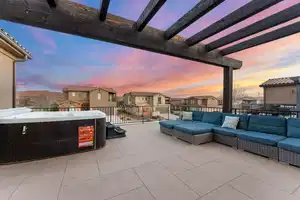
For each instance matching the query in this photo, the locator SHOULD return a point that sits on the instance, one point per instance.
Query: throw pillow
(187, 116)
(231, 122)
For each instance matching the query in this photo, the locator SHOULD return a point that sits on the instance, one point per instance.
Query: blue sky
(60, 59)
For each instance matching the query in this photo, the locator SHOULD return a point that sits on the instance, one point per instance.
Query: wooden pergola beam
(246, 11)
(52, 3)
(103, 9)
(73, 18)
(148, 13)
(199, 10)
(265, 38)
(269, 22)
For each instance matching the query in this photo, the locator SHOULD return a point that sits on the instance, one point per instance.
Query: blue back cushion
(197, 115)
(266, 124)
(212, 117)
(293, 128)
(243, 120)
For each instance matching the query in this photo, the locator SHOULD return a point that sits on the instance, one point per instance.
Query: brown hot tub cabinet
(37, 135)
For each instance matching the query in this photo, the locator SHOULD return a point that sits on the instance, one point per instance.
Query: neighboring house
(144, 99)
(176, 103)
(201, 101)
(89, 97)
(167, 100)
(38, 98)
(251, 103)
(282, 92)
(11, 52)
(154, 103)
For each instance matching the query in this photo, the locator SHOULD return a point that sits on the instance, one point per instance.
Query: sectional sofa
(273, 137)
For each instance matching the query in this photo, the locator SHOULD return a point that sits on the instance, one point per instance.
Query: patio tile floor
(152, 166)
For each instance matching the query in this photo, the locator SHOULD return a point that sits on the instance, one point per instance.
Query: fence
(119, 115)
(278, 112)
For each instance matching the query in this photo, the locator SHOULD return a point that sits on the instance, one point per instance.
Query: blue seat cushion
(290, 144)
(262, 138)
(194, 128)
(171, 123)
(228, 131)
(212, 118)
(197, 115)
(267, 124)
(293, 128)
(243, 120)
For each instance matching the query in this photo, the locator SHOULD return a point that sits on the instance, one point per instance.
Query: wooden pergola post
(227, 89)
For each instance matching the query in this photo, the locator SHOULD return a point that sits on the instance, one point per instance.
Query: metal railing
(120, 115)
(278, 112)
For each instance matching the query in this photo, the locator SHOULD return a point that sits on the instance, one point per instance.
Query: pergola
(77, 19)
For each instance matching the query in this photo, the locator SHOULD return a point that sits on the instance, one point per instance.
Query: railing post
(169, 110)
(298, 98)
(227, 91)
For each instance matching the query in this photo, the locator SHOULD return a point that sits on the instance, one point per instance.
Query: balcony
(149, 165)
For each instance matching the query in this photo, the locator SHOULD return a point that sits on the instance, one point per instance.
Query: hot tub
(36, 135)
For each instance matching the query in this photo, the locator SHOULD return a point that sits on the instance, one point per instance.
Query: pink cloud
(44, 39)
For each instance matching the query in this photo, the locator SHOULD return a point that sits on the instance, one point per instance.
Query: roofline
(79, 90)
(154, 93)
(26, 54)
(278, 85)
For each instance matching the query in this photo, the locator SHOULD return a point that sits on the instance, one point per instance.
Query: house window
(110, 97)
(99, 96)
(146, 98)
(159, 100)
(73, 94)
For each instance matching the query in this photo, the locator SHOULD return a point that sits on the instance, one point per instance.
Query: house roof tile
(12, 41)
(79, 88)
(202, 97)
(145, 93)
(281, 81)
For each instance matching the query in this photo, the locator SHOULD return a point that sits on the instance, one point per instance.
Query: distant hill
(38, 98)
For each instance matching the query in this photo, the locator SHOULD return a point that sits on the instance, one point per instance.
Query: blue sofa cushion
(171, 123)
(194, 128)
(197, 115)
(290, 144)
(212, 118)
(228, 131)
(243, 120)
(293, 128)
(266, 124)
(262, 138)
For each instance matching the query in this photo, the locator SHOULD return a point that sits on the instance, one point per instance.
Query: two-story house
(11, 52)
(86, 97)
(282, 92)
(151, 103)
(201, 101)
(176, 103)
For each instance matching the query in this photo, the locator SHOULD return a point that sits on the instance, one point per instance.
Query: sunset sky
(60, 59)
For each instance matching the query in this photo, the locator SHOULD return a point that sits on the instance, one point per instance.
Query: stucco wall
(280, 95)
(103, 102)
(211, 102)
(127, 99)
(79, 96)
(6, 80)
(155, 99)
(142, 100)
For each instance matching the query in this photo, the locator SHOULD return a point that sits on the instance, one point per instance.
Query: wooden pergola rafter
(77, 19)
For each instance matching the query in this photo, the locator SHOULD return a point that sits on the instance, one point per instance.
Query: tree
(238, 93)
(26, 101)
(54, 107)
